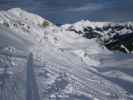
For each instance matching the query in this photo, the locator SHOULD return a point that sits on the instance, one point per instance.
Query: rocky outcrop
(114, 36)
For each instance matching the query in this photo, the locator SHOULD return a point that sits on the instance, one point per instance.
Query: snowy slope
(68, 66)
(21, 26)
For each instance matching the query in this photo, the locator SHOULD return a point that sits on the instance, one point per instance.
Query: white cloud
(89, 7)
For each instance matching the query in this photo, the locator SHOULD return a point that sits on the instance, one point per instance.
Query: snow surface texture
(68, 66)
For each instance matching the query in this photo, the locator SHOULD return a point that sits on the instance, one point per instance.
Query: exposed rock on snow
(115, 36)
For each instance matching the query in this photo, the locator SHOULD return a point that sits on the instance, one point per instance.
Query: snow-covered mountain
(114, 36)
(71, 62)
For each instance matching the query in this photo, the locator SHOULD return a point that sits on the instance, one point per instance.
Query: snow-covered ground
(68, 66)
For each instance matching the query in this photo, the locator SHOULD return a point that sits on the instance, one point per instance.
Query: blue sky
(67, 11)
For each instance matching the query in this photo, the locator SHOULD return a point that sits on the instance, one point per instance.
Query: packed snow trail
(32, 92)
